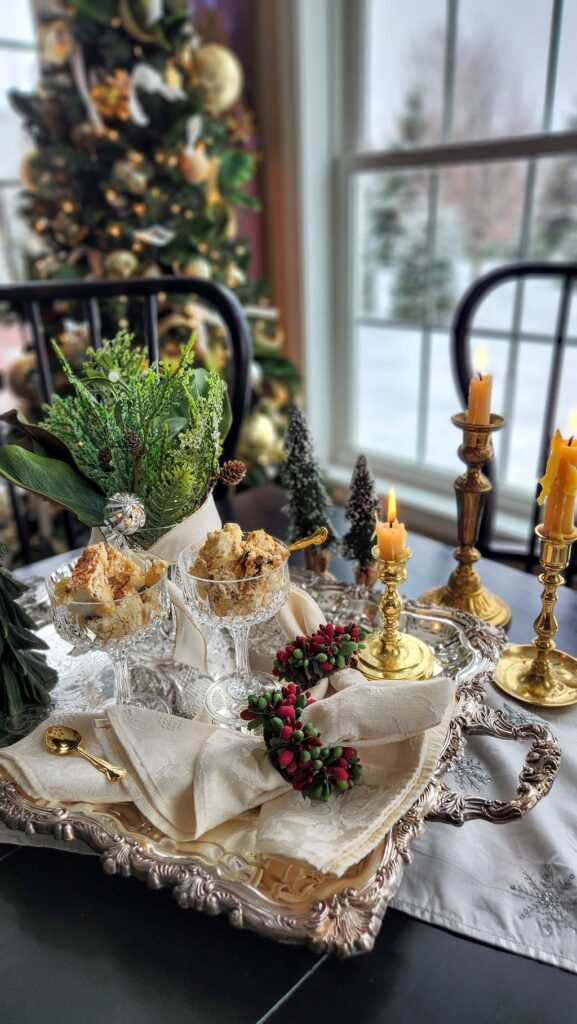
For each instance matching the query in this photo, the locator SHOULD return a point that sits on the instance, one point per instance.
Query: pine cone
(232, 472)
(132, 442)
(105, 460)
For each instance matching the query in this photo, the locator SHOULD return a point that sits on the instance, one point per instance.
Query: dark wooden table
(78, 946)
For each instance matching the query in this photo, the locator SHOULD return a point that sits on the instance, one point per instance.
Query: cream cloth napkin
(190, 777)
(299, 615)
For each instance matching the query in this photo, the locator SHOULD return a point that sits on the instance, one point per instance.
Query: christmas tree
(357, 543)
(25, 678)
(309, 504)
(143, 157)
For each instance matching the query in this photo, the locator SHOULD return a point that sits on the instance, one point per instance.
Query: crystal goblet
(112, 626)
(237, 605)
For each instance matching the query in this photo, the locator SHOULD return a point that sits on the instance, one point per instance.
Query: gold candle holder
(464, 589)
(538, 673)
(388, 653)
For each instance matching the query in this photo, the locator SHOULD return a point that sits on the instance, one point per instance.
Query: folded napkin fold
(189, 777)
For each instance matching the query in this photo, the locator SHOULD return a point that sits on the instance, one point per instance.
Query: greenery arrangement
(144, 151)
(155, 431)
(25, 678)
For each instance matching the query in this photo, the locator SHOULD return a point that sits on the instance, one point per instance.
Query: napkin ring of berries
(295, 748)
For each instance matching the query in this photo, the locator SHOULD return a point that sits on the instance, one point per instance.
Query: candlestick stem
(389, 653)
(464, 589)
(538, 673)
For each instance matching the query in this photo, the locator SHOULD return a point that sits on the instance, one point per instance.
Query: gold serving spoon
(318, 537)
(60, 739)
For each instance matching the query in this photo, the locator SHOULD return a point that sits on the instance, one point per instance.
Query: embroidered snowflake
(517, 716)
(549, 902)
(470, 772)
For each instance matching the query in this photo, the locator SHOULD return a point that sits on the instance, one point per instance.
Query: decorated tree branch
(25, 677)
(308, 504)
(357, 543)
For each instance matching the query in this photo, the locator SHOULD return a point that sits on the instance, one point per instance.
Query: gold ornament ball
(259, 437)
(202, 247)
(188, 214)
(198, 267)
(194, 165)
(159, 157)
(139, 209)
(56, 42)
(175, 208)
(172, 76)
(172, 160)
(40, 225)
(114, 230)
(68, 206)
(135, 158)
(113, 135)
(219, 73)
(120, 263)
(111, 195)
(137, 246)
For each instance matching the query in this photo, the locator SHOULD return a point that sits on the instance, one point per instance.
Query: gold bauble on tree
(219, 74)
(111, 95)
(198, 267)
(120, 263)
(55, 41)
(194, 165)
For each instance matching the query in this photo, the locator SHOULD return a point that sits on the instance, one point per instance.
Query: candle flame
(572, 424)
(480, 359)
(392, 506)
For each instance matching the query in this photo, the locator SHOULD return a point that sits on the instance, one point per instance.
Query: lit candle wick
(571, 440)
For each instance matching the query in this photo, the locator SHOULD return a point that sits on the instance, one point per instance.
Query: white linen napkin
(188, 777)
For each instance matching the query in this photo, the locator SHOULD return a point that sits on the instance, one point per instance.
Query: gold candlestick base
(537, 673)
(464, 589)
(388, 653)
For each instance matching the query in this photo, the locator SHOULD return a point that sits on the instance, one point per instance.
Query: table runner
(513, 886)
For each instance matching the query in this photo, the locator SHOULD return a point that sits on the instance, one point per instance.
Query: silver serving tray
(286, 900)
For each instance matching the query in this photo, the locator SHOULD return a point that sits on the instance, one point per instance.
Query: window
(18, 70)
(465, 158)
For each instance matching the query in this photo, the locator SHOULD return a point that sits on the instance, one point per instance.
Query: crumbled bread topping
(227, 555)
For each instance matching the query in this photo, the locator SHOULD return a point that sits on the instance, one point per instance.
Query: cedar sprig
(310, 658)
(296, 749)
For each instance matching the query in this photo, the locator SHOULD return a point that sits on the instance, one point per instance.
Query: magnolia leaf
(49, 443)
(55, 480)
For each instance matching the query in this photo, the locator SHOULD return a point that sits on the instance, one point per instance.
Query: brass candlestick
(388, 653)
(464, 589)
(538, 673)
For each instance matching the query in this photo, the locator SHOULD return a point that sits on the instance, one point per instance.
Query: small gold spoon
(60, 739)
(318, 537)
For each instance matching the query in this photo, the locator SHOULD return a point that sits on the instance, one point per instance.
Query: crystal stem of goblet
(122, 687)
(241, 686)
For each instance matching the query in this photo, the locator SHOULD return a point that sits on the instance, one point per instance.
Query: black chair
(27, 300)
(566, 274)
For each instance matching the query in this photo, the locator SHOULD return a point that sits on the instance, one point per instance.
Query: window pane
(17, 71)
(391, 244)
(526, 423)
(555, 228)
(478, 228)
(501, 67)
(565, 113)
(566, 414)
(386, 394)
(17, 21)
(404, 102)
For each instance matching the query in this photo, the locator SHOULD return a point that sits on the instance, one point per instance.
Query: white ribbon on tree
(155, 11)
(151, 81)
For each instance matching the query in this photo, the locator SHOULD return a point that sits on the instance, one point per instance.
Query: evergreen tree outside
(357, 543)
(557, 215)
(25, 677)
(308, 504)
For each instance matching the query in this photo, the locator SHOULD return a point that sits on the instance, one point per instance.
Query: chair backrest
(565, 274)
(28, 299)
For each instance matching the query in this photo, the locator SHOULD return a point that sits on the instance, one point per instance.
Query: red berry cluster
(296, 749)
(310, 658)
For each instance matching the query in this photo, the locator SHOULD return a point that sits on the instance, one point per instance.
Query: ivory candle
(559, 488)
(391, 536)
(480, 390)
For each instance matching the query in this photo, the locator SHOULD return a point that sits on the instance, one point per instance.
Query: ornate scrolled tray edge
(348, 922)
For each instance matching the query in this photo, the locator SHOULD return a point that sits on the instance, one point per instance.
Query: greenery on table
(25, 677)
(154, 431)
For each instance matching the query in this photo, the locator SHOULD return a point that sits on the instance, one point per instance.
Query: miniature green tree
(357, 543)
(25, 677)
(308, 504)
